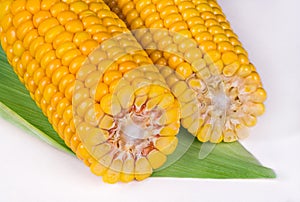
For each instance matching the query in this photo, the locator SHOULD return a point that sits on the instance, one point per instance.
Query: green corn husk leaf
(226, 160)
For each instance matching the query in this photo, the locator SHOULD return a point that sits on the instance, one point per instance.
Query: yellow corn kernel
(90, 20)
(178, 88)
(229, 57)
(205, 133)
(142, 169)
(184, 70)
(70, 55)
(98, 169)
(63, 48)
(18, 48)
(156, 159)
(166, 145)
(46, 4)
(125, 96)
(39, 17)
(5, 5)
(21, 17)
(249, 120)
(33, 6)
(74, 26)
(24, 28)
(47, 25)
(58, 74)
(43, 49)
(17, 6)
(169, 130)
(111, 76)
(259, 95)
(61, 38)
(11, 35)
(58, 7)
(127, 66)
(47, 58)
(127, 173)
(231, 69)
(152, 103)
(80, 37)
(88, 46)
(65, 16)
(78, 7)
(113, 173)
(29, 37)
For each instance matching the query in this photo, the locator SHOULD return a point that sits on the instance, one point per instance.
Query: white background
(30, 170)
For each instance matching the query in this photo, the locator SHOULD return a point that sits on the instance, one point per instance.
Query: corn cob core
(208, 62)
(92, 94)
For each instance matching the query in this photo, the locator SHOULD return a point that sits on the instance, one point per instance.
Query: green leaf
(225, 160)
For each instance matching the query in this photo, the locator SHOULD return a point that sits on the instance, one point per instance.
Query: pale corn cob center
(210, 64)
(87, 93)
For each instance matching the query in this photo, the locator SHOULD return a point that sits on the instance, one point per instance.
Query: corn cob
(104, 97)
(209, 65)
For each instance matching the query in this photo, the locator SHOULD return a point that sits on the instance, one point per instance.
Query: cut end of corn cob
(108, 103)
(219, 90)
(215, 107)
(128, 124)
